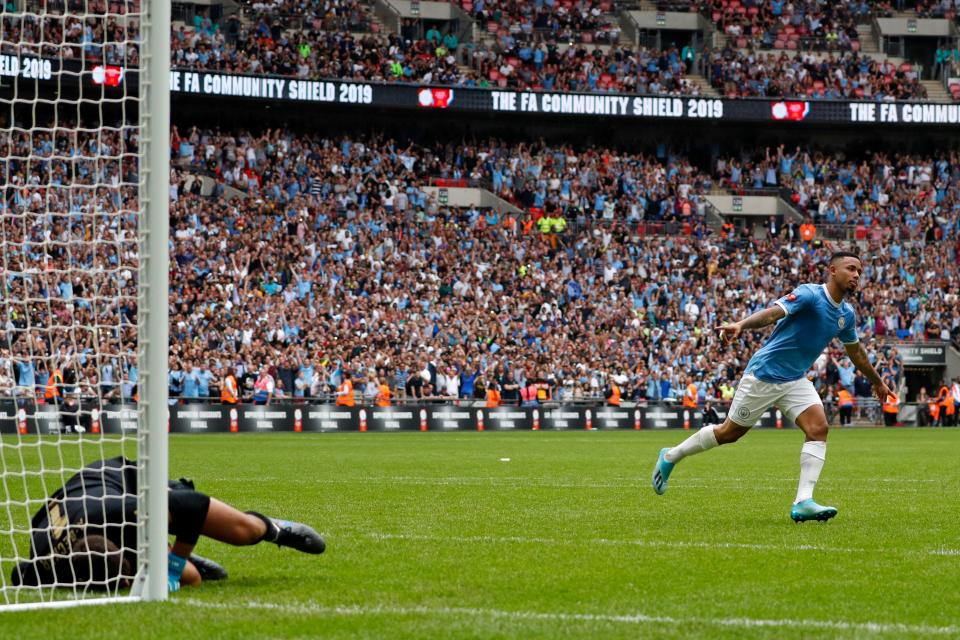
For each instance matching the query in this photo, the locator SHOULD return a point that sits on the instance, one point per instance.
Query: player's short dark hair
(837, 255)
(98, 563)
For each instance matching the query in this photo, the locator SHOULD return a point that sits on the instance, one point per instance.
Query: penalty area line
(660, 544)
(550, 616)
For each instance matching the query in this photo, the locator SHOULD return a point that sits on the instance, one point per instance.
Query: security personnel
(845, 404)
(383, 395)
(228, 390)
(613, 393)
(945, 404)
(690, 395)
(545, 224)
(890, 410)
(345, 392)
(559, 224)
(493, 395)
(51, 394)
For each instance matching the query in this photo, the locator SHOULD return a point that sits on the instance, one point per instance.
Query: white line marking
(658, 544)
(550, 616)
(616, 483)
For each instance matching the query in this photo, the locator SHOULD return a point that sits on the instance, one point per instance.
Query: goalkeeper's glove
(175, 565)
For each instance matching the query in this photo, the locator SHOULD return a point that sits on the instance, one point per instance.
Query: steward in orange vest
(345, 392)
(493, 395)
(383, 395)
(890, 410)
(613, 394)
(52, 391)
(228, 390)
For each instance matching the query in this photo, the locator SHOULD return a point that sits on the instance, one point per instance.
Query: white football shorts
(754, 396)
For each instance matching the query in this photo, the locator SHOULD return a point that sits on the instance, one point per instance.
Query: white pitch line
(550, 616)
(658, 544)
(620, 483)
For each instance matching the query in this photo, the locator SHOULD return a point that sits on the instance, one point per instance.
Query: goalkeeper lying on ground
(86, 533)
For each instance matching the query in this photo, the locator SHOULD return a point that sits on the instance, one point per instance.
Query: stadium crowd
(892, 197)
(806, 24)
(848, 75)
(104, 35)
(584, 21)
(337, 260)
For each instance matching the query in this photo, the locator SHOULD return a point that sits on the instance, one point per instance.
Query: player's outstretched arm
(757, 320)
(858, 356)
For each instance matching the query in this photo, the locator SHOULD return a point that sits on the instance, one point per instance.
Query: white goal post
(84, 205)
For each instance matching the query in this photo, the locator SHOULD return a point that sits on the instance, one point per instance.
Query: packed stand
(316, 52)
(68, 227)
(327, 15)
(807, 24)
(108, 34)
(336, 260)
(849, 75)
(551, 21)
(547, 67)
(459, 293)
(895, 199)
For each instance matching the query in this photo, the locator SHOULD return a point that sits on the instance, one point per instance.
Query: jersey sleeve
(795, 300)
(848, 335)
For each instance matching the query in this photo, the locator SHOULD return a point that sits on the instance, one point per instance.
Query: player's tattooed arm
(757, 320)
(859, 358)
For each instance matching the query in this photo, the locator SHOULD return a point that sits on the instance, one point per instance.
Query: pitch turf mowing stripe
(665, 544)
(550, 616)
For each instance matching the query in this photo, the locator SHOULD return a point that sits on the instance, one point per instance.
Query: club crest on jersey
(791, 297)
(841, 322)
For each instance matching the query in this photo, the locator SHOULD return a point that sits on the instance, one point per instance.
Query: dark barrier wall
(244, 418)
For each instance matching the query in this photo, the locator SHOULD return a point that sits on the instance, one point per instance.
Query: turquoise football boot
(661, 472)
(810, 510)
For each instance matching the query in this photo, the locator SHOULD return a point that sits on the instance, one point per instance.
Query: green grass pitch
(436, 535)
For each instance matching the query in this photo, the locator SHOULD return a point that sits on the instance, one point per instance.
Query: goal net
(84, 168)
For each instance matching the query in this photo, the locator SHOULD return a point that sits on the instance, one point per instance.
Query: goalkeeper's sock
(175, 566)
(702, 440)
(812, 456)
(273, 531)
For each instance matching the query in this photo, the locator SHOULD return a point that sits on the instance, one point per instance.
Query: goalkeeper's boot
(208, 569)
(298, 536)
(285, 533)
(810, 510)
(661, 472)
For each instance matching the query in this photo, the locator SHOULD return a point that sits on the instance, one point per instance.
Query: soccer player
(808, 319)
(87, 531)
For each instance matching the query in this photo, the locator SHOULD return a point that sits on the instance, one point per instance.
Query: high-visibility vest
(808, 232)
(845, 399)
(383, 396)
(493, 398)
(690, 397)
(945, 399)
(345, 394)
(543, 392)
(52, 389)
(890, 404)
(228, 391)
(528, 392)
(614, 399)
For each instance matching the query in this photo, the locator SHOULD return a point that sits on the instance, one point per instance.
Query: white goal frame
(150, 583)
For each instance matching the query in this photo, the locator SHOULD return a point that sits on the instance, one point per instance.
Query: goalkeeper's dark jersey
(101, 499)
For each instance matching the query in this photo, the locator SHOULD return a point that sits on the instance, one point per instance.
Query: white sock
(812, 456)
(702, 440)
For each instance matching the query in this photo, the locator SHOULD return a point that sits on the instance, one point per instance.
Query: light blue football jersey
(813, 320)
